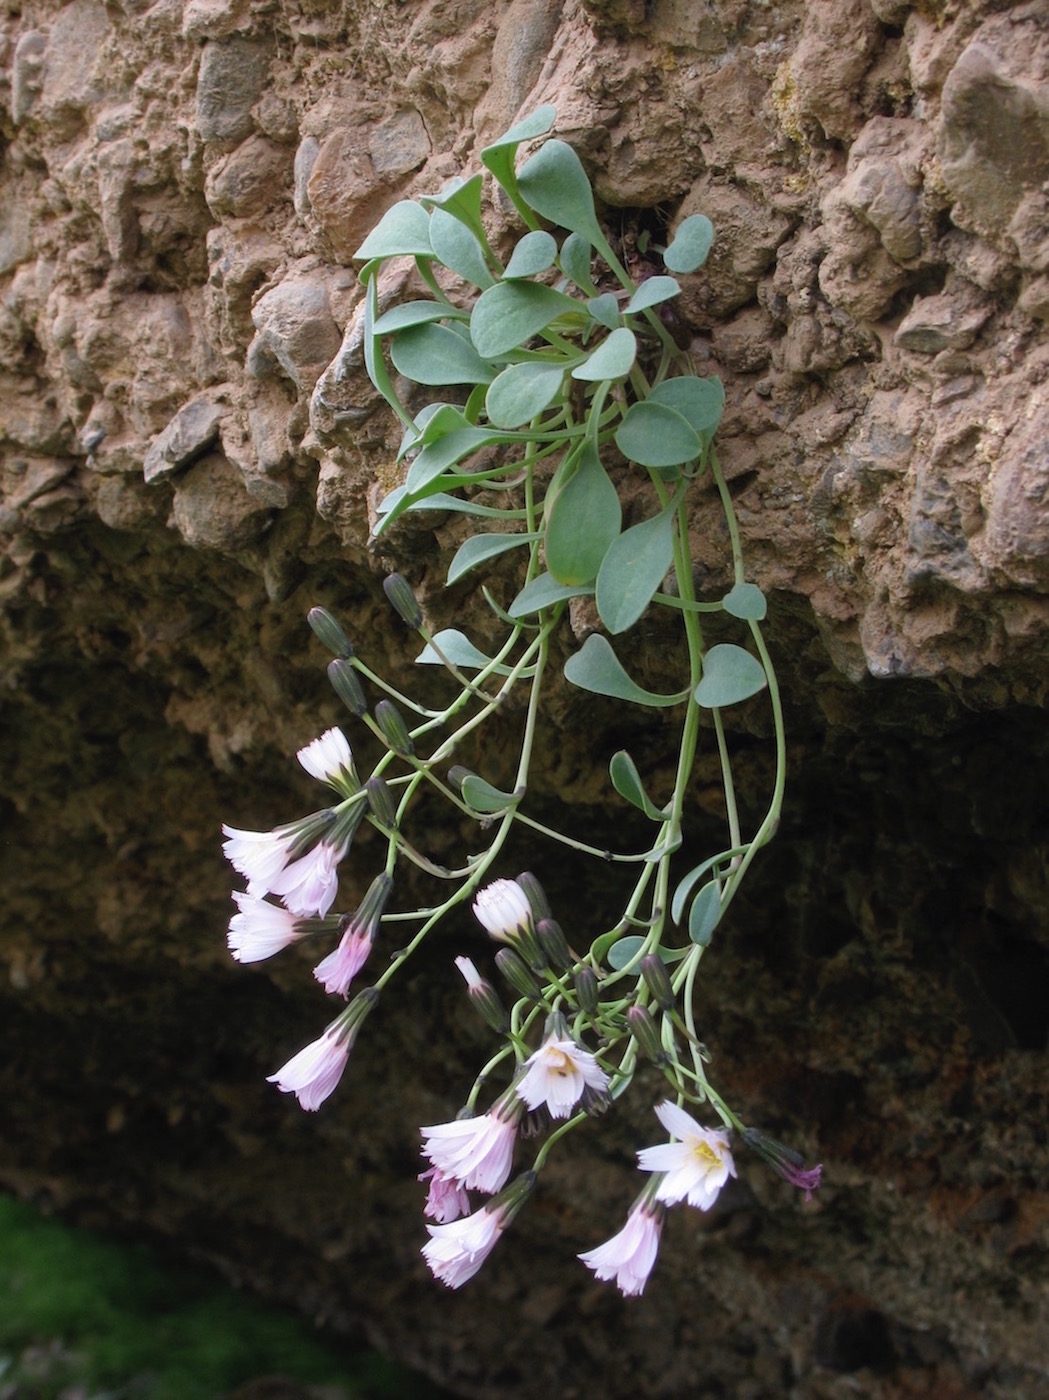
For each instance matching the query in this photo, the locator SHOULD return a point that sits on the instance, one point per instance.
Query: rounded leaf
(480, 548)
(582, 522)
(433, 354)
(632, 570)
(612, 359)
(404, 229)
(690, 245)
(543, 592)
(654, 435)
(652, 292)
(521, 392)
(534, 253)
(511, 313)
(730, 675)
(458, 248)
(576, 253)
(700, 401)
(605, 310)
(624, 950)
(704, 915)
(555, 184)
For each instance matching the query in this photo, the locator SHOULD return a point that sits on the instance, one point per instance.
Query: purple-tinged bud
(553, 943)
(393, 728)
(484, 997)
(646, 1033)
(403, 601)
(517, 974)
(784, 1161)
(657, 979)
(536, 896)
(347, 687)
(380, 800)
(585, 982)
(330, 633)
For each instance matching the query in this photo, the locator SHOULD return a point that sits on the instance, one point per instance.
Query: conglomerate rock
(190, 454)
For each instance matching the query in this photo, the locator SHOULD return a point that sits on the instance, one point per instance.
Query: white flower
(446, 1200)
(328, 759)
(259, 856)
(470, 974)
(260, 929)
(629, 1256)
(313, 1073)
(557, 1074)
(309, 885)
(696, 1167)
(457, 1250)
(503, 908)
(475, 1152)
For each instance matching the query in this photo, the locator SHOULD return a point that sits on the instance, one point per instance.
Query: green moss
(75, 1307)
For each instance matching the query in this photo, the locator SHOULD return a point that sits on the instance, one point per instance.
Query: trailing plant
(564, 375)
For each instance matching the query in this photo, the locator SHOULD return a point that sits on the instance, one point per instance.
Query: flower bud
(553, 943)
(536, 896)
(657, 979)
(330, 633)
(517, 974)
(399, 591)
(586, 990)
(784, 1161)
(347, 687)
(393, 728)
(484, 997)
(457, 773)
(380, 800)
(646, 1033)
(351, 1020)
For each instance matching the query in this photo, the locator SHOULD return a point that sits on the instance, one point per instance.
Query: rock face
(190, 449)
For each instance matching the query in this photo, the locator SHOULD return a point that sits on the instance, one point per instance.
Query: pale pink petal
(456, 1251)
(446, 1199)
(476, 1152)
(629, 1257)
(314, 1072)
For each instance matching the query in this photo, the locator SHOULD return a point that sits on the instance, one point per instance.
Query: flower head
(503, 908)
(338, 969)
(314, 1072)
(446, 1200)
(696, 1167)
(629, 1256)
(259, 856)
(329, 760)
(457, 1250)
(261, 929)
(475, 1152)
(309, 885)
(557, 1074)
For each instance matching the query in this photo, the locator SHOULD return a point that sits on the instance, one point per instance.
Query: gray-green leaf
(657, 436)
(510, 313)
(627, 782)
(404, 229)
(582, 522)
(595, 667)
(612, 359)
(745, 601)
(543, 592)
(633, 569)
(690, 245)
(704, 915)
(730, 675)
(521, 392)
(434, 354)
(479, 548)
(534, 253)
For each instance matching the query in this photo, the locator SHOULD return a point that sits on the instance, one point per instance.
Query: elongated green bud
(553, 942)
(585, 982)
(516, 973)
(646, 1033)
(403, 601)
(536, 896)
(484, 997)
(657, 979)
(393, 728)
(347, 687)
(330, 633)
(380, 800)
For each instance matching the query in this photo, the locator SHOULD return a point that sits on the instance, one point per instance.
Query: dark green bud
(646, 1033)
(657, 979)
(393, 728)
(585, 982)
(536, 896)
(380, 800)
(347, 687)
(553, 942)
(516, 973)
(399, 591)
(330, 633)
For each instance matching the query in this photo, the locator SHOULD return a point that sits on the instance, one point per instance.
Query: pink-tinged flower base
(457, 1250)
(309, 885)
(446, 1199)
(339, 968)
(630, 1256)
(314, 1072)
(696, 1167)
(475, 1152)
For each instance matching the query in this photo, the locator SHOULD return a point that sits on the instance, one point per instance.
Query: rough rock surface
(189, 452)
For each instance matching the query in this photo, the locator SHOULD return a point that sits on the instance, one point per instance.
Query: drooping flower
(315, 1071)
(446, 1200)
(785, 1162)
(261, 929)
(338, 969)
(629, 1257)
(329, 760)
(696, 1167)
(457, 1250)
(476, 1152)
(557, 1074)
(309, 885)
(259, 856)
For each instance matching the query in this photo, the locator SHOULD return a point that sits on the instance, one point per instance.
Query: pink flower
(259, 856)
(329, 760)
(475, 1152)
(696, 1167)
(629, 1257)
(457, 1250)
(556, 1075)
(309, 885)
(338, 969)
(260, 929)
(446, 1199)
(314, 1073)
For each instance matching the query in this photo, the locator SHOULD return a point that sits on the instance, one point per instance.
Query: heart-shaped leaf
(595, 667)
(521, 392)
(700, 401)
(730, 675)
(582, 522)
(690, 245)
(612, 359)
(634, 566)
(656, 436)
(746, 601)
(456, 647)
(511, 313)
(404, 229)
